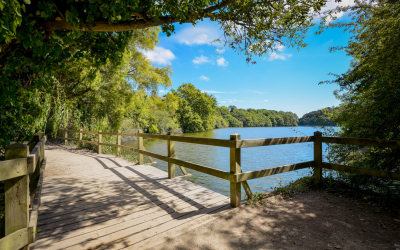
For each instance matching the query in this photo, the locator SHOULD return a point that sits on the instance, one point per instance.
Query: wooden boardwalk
(92, 201)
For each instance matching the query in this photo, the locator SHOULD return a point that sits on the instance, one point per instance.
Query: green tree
(202, 104)
(40, 41)
(189, 120)
(320, 117)
(370, 89)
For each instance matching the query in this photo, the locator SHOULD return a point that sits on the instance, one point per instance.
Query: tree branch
(142, 23)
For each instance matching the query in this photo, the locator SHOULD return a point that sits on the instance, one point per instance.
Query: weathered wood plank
(130, 216)
(33, 217)
(136, 223)
(16, 193)
(137, 199)
(99, 142)
(88, 132)
(272, 171)
(98, 191)
(89, 142)
(32, 161)
(13, 168)
(108, 144)
(171, 154)
(188, 226)
(66, 136)
(362, 141)
(273, 141)
(203, 141)
(188, 139)
(162, 227)
(15, 240)
(140, 147)
(119, 142)
(361, 171)
(194, 166)
(155, 195)
(125, 212)
(153, 226)
(317, 168)
(235, 158)
(247, 189)
(108, 133)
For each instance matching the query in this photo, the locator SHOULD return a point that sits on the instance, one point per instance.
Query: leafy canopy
(370, 89)
(56, 57)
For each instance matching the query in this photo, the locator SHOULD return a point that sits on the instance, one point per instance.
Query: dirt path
(313, 220)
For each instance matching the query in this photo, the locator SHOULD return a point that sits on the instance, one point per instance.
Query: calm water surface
(252, 158)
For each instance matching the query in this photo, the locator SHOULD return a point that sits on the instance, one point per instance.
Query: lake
(252, 158)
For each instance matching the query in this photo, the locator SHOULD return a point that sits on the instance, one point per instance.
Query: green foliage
(55, 71)
(370, 89)
(197, 110)
(298, 186)
(256, 198)
(320, 117)
(253, 27)
(227, 118)
(257, 117)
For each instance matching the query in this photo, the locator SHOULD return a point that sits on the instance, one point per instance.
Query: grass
(301, 185)
(389, 201)
(255, 198)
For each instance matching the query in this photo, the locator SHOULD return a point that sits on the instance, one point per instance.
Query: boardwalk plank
(92, 217)
(101, 201)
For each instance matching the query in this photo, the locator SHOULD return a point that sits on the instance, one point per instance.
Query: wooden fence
(22, 174)
(235, 176)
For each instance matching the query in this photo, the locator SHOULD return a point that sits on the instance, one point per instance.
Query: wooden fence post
(16, 193)
(118, 142)
(99, 137)
(140, 147)
(65, 136)
(171, 153)
(235, 187)
(80, 137)
(317, 173)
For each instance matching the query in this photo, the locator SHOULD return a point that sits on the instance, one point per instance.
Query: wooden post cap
(16, 150)
(235, 137)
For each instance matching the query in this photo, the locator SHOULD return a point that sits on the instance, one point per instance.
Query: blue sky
(286, 80)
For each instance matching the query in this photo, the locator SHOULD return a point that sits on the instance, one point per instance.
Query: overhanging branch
(102, 26)
(142, 23)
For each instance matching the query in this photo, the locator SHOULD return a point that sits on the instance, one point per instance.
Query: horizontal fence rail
(361, 142)
(235, 176)
(273, 141)
(19, 173)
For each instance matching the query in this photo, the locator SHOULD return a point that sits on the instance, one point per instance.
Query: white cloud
(200, 34)
(200, 59)
(218, 92)
(265, 100)
(204, 78)
(220, 50)
(229, 101)
(159, 55)
(222, 62)
(212, 92)
(275, 56)
(332, 4)
(255, 92)
(278, 54)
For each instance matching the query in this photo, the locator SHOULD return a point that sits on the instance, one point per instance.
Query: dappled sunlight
(104, 201)
(314, 220)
